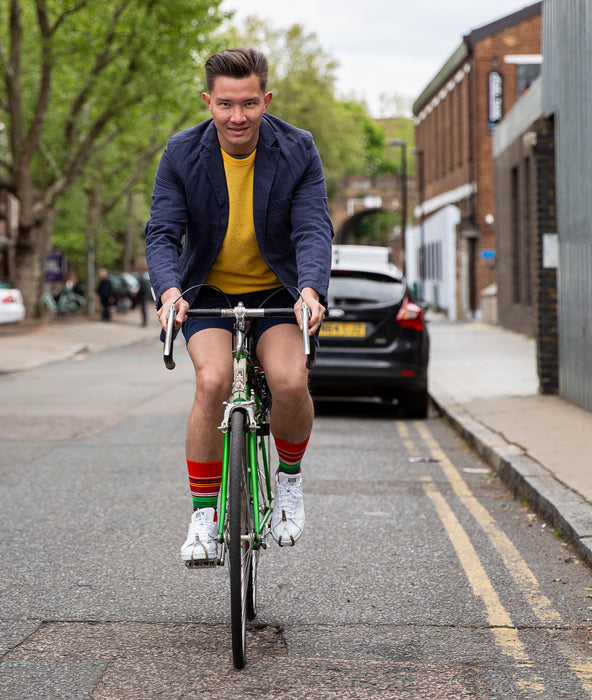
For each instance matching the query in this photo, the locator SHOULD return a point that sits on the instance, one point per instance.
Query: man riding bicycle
(240, 203)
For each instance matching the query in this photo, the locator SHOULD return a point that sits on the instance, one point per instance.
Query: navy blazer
(189, 212)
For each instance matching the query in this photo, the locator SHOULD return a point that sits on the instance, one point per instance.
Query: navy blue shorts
(210, 299)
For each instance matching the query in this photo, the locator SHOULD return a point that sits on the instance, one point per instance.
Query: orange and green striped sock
(204, 483)
(290, 455)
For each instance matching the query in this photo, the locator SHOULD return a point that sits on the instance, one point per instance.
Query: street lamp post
(418, 152)
(403, 177)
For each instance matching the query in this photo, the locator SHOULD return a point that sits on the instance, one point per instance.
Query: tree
(90, 88)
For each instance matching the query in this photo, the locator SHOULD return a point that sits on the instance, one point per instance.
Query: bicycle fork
(240, 401)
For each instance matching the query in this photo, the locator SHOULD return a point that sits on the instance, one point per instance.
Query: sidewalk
(32, 345)
(483, 378)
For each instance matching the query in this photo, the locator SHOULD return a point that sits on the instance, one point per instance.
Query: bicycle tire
(264, 507)
(241, 531)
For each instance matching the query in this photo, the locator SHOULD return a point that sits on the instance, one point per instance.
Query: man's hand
(168, 298)
(317, 310)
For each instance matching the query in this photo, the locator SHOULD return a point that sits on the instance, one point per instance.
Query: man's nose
(237, 114)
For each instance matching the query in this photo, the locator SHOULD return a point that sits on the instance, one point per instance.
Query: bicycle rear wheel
(241, 535)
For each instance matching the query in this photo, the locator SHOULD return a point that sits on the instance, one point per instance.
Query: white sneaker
(287, 520)
(201, 545)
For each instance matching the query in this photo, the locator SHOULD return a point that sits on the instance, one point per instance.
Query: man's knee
(213, 384)
(289, 386)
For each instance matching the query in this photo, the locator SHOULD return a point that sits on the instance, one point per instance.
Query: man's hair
(237, 63)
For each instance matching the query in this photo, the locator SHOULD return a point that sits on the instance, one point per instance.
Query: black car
(374, 341)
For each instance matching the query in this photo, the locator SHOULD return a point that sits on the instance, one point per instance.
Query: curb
(70, 354)
(76, 350)
(528, 480)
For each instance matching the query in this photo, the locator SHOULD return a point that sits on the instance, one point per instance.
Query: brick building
(455, 117)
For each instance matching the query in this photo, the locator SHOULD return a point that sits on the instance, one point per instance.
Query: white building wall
(437, 285)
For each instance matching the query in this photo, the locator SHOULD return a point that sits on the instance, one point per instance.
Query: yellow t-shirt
(239, 267)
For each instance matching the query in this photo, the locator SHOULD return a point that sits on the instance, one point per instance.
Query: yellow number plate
(343, 329)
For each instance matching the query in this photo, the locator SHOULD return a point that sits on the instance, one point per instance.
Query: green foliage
(403, 129)
(373, 139)
(93, 90)
(375, 229)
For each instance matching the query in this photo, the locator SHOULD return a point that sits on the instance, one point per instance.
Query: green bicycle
(245, 502)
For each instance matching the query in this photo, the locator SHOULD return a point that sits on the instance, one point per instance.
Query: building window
(526, 74)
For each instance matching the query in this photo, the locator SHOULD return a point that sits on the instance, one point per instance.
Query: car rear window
(362, 287)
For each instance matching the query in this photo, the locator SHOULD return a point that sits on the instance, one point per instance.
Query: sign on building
(496, 98)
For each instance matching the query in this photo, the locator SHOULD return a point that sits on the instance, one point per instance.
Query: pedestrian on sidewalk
(105, 292)
(141, 298)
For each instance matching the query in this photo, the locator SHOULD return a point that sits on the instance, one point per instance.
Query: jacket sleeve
(166, 228)
(312, 229)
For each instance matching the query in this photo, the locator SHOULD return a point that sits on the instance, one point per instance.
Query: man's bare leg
(210, 351)
(280, 350)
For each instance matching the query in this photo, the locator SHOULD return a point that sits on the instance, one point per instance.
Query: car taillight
(410, 315)
(8, 299)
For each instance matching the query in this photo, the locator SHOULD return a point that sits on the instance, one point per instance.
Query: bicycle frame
(244, 398)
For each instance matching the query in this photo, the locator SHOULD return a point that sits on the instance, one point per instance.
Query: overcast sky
(382, 46)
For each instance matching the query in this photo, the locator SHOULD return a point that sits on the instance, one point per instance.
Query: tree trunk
(30, 265)
(93, 222)
(128, 251)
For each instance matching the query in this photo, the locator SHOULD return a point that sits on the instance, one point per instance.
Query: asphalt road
(418, 577)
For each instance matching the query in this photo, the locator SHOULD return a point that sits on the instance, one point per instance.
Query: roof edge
(453, 63)
(505, 22)
(465, 48)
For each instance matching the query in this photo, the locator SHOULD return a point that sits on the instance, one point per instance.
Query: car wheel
(415, 404)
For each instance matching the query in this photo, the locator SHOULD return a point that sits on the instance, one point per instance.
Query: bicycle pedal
(202, 563)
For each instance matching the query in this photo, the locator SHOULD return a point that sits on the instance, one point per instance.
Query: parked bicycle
(66, 301)
(245, 502)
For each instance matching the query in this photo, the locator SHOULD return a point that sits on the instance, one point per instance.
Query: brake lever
(169, 338)
(305, 314)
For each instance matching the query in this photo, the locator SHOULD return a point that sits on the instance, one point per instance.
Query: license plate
(343, 329)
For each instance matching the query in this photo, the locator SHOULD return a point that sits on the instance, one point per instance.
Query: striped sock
(290, 455)
(204, 483)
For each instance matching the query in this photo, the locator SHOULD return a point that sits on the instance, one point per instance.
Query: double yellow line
(504, 631)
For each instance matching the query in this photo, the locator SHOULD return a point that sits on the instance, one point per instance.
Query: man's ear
(267, 99)
(206, 98)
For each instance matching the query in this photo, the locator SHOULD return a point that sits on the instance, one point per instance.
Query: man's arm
(165, 230)
(312, 228)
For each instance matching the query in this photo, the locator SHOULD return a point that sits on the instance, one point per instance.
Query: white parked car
(12, 308)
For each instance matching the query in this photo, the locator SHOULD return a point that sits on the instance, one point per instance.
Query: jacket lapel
(266, 163)
(214, 165)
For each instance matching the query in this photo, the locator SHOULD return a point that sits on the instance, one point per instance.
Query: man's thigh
(281, 353)
(210, 350)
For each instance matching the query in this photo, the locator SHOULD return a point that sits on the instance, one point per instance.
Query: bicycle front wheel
(241, 532)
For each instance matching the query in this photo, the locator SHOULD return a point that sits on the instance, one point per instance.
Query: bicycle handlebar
(238, 312)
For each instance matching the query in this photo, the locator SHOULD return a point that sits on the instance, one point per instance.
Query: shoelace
(288, 497)
(202, 528)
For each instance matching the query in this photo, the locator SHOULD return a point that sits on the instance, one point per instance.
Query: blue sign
(53, 268)
(488, 254)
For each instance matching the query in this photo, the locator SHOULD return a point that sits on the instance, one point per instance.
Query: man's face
(237, 106)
